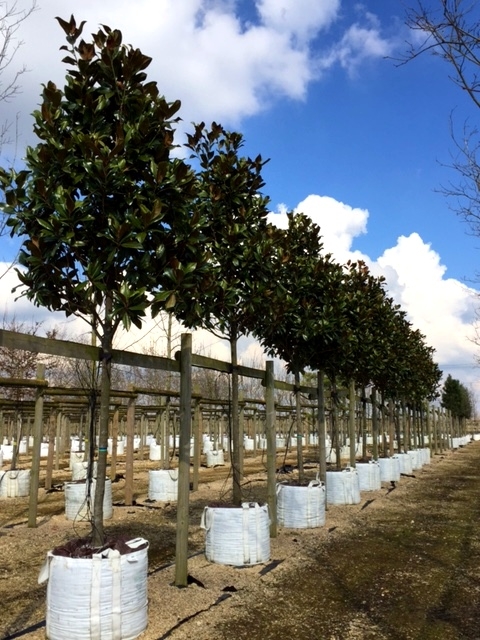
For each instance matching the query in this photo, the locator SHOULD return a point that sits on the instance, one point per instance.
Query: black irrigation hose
(24, 632)
(219, 600)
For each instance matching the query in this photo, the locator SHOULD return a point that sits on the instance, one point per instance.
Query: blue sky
(354, 140)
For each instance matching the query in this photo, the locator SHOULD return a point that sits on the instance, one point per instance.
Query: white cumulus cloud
(339, 223)
(442, 308)
(221, 65)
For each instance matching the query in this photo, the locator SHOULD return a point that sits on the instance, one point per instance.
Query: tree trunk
(298, 424)
(322, 431)
(106, 364)
(352, 432)
(374, 424)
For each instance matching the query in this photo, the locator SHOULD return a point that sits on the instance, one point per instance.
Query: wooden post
(181, 549)
(241, 430)
(129, 453)
(50, 453)
(271, 447)
(113, 460)
(57, 439)
(197, 443)
(143, 437)
(299, 425)
(37, 440)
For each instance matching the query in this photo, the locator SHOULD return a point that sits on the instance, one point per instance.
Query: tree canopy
(456, 398)
(104, 210)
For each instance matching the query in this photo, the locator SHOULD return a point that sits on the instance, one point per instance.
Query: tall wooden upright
(181, 551)
(37, 440)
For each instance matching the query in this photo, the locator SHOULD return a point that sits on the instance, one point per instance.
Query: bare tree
(17, 363)
(11, 17)
(450, 29)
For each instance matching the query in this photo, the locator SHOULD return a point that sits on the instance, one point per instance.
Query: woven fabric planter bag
(427, 456)
(76, 456)
(215, 458)
(155, 452)
(163, 485)
(237, 536)
(343, 487)
(369, 475)
(76, 504)
(102, 597)
(80, 470)
(405, 462)
(301, 507)
(389, 469)
(7, 451)
(14, 484)
(416, 458)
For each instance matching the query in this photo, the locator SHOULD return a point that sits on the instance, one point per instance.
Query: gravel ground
(403, 564)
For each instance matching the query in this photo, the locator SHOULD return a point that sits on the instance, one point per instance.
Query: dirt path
(408, 567)
(402, 565)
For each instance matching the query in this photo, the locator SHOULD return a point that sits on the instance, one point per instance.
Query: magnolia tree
(301, 319)
(104, 211)
(230, 200)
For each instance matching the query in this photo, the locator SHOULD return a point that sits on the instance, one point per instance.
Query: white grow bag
(207, 445)
(76, 456)
(331, 455)
(405, 462)
(248, 444)
(262, 443)
(215, 458)
(163, 485)
(301, 507)
(14, 484)
(389, 469)
(98, 598)
(343, 487)
(416, 458)
(76, 505)
(80, 470)
(237, 536)
(7, 451)
(369, 475)
(426, 455)
(155, 452)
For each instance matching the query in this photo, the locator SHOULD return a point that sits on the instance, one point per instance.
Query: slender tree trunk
(37, 440)
(105, 384)
(374, 424)
(351, 422)
(322, 431)
(16, 440)
(299, 425)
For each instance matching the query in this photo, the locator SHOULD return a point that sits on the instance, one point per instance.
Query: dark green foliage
(301, 320)
(105, 211)
(102, 205)
(229, 199)
(456, 398)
